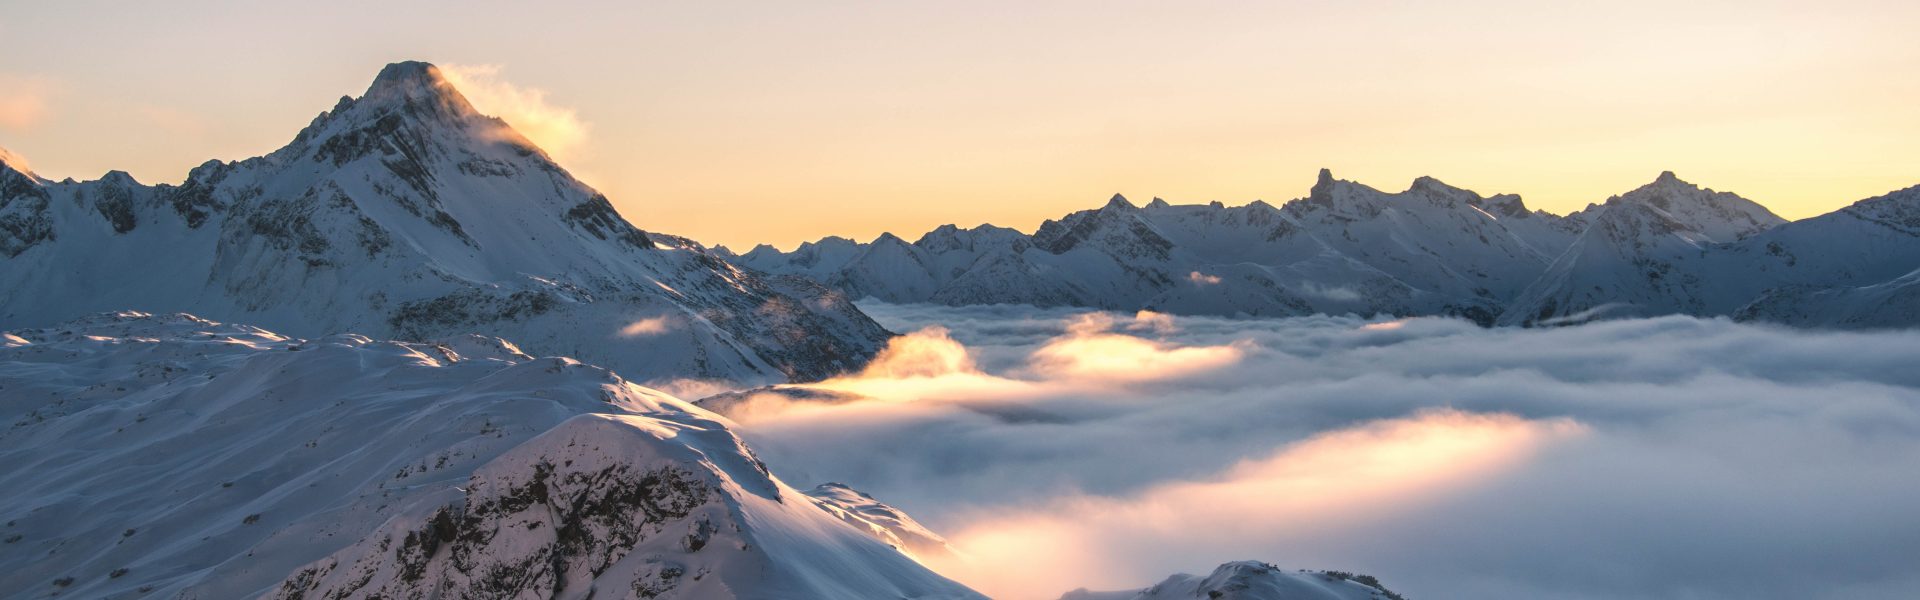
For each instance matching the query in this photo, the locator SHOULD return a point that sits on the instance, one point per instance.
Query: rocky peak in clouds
(950, 238)
(405, 213)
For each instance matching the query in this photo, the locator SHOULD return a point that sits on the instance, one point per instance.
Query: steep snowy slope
(1249, 580)
(168, 456)
(1645, 253)
(1433, 236)
(1849, 268)
(404, 213)
(1890, 304)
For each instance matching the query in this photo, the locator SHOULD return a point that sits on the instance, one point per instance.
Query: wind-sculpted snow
(883, 522)
(1672, 457)
(404, 213)
(170, 456)
(1669, 247)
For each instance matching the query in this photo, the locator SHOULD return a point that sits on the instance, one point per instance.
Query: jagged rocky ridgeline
(1667, 247)
(406, 214)
(170, 456)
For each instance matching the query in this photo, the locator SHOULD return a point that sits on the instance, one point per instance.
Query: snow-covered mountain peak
(1899, 209)
(948, 238)
(1343, 196)
(119, 178)
(405, 214)
(1506, 205)
(415, 82)
(1440, 193)
(1686, 207)
(412, 110)
(889, 239)
(1427, 183)
(1116, 227)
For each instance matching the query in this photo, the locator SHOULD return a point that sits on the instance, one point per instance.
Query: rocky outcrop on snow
(171, 456)
(406, 214)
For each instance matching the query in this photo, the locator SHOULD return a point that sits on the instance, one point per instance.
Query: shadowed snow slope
(169, 456)
(406, 214)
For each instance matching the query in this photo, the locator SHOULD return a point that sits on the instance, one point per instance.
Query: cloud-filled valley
(1666, 457)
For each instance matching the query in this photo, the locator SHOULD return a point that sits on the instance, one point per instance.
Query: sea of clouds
(1656, 458)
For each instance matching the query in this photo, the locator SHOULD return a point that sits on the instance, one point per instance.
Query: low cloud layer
(1661, 458)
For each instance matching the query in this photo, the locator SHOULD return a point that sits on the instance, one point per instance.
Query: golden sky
(738, 123)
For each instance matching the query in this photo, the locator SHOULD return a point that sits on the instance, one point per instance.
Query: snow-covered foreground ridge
(1669, 247)
(406, 214)
(170, 456)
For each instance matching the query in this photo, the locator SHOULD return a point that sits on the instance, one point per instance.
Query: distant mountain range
(1669, 247)
(406, 214)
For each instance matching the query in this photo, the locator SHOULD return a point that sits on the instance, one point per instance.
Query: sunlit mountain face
(836, 302)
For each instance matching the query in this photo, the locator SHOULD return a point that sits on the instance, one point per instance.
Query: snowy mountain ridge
(1434, 249)
(405, 213)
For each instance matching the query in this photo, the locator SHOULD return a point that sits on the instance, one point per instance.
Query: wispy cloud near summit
(556, 129)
